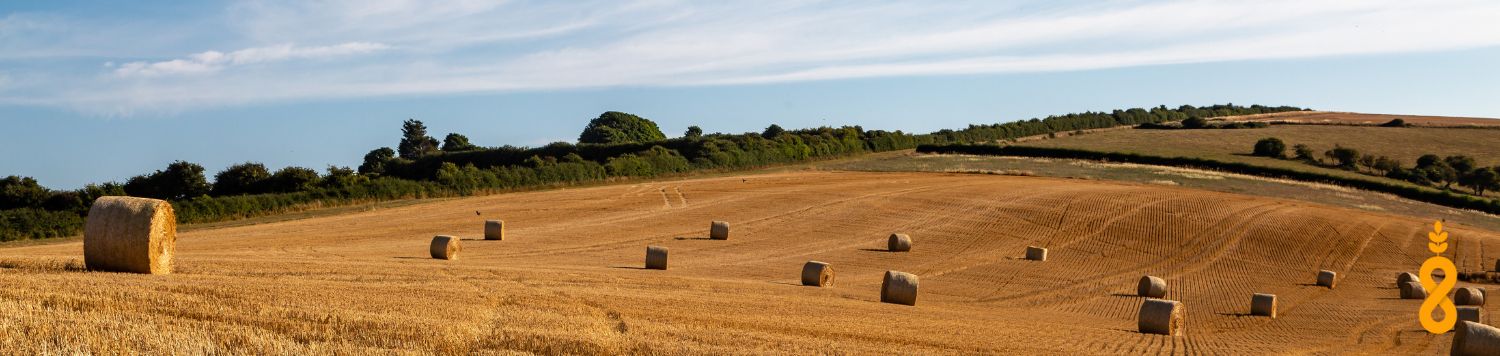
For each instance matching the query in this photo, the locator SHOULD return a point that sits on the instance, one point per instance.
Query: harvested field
(1405, 144)
(569, 279)
(1349, 118)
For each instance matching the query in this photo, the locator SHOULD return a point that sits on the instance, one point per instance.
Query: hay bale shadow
(876, 250)
(628, 267)
(680, 238)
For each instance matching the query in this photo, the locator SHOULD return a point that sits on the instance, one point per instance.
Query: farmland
(568, 279)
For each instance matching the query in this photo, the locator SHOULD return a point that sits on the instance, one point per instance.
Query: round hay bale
(899, 243)
(1497, 265)
(1404, 277)
(1413, 290)
(1160, 316)
(899, 288)
(1326, 278)
(656, 257)
(1151, 287)
(1471, 313)
(1468, 296)
(128, 234)
(494, 229)
(444, 247)
(817, 274)
(718, 230)
(1263, 304)
(1036, 253)
(1475, 339)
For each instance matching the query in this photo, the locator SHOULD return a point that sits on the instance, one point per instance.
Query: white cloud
(477, 46)
(213, 61)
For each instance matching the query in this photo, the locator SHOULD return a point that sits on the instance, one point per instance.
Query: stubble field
(568, 279)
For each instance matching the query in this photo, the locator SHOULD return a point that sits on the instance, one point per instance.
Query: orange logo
(1438, 298)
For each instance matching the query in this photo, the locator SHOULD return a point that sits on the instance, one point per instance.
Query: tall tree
(693, 132)
(456, 142)
(243, 178)
(181, 180)
(618, 127)
(375, 161)
(414, 140)
(772, 131)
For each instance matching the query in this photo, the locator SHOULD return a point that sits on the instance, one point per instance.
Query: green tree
(376, 160)
(293, 179)
(243, 178)
(456, 142)
(693, 132)
(181, 180)
(1484, 179)
(1427, 160)
(618, 127)
(1343, 157)
(1463, 165)
(414, 140)
(1439, 172)
(1304, 153)
(1270, 147)
(22, 192)
(773, 131)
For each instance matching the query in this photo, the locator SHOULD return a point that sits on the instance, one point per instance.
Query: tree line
(1429, 170)
(613, 145)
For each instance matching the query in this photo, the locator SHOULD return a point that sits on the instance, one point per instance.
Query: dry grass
(1405, 144)
(569, 281)
(1347, 118)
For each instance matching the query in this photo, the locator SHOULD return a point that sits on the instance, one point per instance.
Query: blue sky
(101, 91)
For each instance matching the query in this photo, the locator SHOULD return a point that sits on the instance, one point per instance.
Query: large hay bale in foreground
(1475, 339)
(1263, 304)
(1326, 278)
(1160, 316)
(899, 243)
(1406, 277)
(1036, 253)
(817, 274)
(718, 230)
(1468, 296)
(656, 257)
(1413, 290)
(899, 288)
(1471, 313)
(128, 234)
(444, 247)
(494, 229)
(1151, 287)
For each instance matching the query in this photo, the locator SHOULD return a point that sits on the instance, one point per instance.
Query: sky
(96, 91)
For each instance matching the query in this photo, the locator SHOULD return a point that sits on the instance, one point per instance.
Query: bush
(1304, 153)
(1194, 123)
(19, 224)
(1394, 123)
(1270, 147)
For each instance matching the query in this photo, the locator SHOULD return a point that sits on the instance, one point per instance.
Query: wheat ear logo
(1438, 242)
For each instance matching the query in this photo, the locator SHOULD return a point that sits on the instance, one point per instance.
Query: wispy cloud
(213, 61)
(474, 46)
